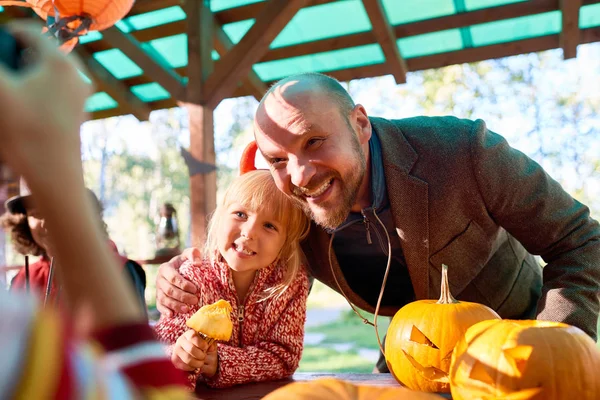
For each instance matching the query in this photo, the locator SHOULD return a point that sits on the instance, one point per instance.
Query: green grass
(326, 359)
(349, 328)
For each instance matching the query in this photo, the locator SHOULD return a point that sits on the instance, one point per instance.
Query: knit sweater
(41, 358)
(268, 335)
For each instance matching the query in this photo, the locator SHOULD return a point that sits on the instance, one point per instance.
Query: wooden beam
(200, 45)
(106, 82)
(590, 35)
(118, 111)
(203, 187)
(569, 36)
(154, 67)
(223, 44)
(382, 30)
(239, 60)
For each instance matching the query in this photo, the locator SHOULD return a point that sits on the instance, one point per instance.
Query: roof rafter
(569, 36)
(253, 84)
(380, 25)
(154, 67)
(239, 60)
(524, 46)
(129, 103)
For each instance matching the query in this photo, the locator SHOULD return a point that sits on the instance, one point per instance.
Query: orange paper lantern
(69, 19)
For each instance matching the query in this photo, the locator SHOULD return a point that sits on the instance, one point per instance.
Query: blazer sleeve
(523, 199)
(276, 356)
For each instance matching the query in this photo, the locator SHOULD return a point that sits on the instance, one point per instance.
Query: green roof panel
(150, 92)
(516, 28)
(155, 18)
(430, 43)
(118, 64)
(90, 37)
(471, 5)
(417, 10)
(237, 30)
(172, 48)
(218, 5)
(589, 16)
(321, 62)
(100, 101)
(349, 17)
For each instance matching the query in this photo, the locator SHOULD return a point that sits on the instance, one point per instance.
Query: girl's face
(249, 240)
(37, 226)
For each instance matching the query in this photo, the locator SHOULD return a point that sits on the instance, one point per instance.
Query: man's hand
(189, 351)
(174, 293)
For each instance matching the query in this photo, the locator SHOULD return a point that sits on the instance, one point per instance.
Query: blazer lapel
(408, 196)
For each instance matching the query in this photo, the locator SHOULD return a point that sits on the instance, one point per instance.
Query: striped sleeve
(47, 362)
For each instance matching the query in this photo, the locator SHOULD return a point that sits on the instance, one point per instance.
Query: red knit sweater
(267, 344)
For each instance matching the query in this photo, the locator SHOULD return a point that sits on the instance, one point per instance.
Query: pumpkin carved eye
(518, 357)
(419, 337)
(480, 372)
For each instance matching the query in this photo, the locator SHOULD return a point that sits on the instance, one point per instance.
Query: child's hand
(42, 107)
(211, 362)
(189, 352)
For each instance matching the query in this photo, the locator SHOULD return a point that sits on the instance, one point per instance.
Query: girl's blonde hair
(256, 191)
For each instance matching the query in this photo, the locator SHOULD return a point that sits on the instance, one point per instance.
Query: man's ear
(361, 122)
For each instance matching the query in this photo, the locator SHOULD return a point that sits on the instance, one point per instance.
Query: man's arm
(535, 209)
(174, 293)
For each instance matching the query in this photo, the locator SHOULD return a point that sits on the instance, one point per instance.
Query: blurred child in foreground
(42, 356)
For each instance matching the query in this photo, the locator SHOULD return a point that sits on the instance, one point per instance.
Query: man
(433, 191)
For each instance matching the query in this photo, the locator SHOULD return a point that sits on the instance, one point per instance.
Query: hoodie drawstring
(385, 277)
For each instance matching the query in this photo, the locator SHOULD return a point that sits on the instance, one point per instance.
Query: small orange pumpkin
(248, 156)
(69, 19)
(525, 360)
(423, 334)
(331, 388)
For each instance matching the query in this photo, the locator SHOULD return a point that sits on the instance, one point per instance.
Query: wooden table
(254, 391)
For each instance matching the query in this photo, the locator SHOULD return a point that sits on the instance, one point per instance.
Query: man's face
(314, 153)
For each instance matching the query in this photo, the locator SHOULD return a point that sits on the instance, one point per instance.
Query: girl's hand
(211, 362)
(189, 352)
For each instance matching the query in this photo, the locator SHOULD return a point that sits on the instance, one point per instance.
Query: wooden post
(203, 187)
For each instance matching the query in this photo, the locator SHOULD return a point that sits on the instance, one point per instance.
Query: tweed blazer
(461, 196)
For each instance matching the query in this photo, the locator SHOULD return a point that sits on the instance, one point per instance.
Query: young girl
(253, 260)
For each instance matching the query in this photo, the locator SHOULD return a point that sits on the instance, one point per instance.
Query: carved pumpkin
(525, 360)
(213, 321)
(423, 334)
(330, 389)
(248, 156)
(69, 19)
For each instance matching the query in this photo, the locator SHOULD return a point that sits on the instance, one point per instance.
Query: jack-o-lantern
(68, 19)
(525, 360)
(330, 389)
(423, 334)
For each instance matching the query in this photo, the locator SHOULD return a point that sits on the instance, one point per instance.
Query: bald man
(410, 195)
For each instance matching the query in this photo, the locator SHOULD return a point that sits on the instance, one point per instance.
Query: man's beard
(334, 215)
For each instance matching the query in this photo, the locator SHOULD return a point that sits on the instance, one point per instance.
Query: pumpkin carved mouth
(429, 373)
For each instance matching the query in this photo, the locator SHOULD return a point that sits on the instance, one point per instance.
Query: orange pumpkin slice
(213, 321)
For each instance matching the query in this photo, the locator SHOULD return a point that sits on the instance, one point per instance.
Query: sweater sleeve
(277, 355)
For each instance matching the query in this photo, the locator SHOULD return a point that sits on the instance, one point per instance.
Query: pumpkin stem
(445, 295)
